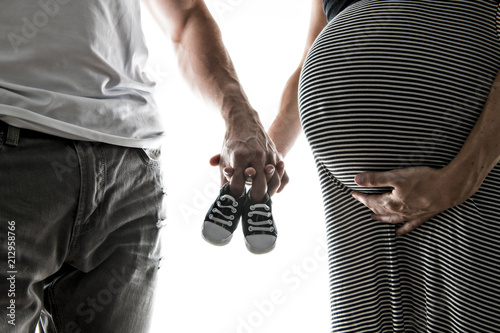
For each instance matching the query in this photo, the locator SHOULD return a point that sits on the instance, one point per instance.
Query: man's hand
(419, 193)
(249, 156)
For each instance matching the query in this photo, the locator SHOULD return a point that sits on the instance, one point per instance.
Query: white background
(203, 288)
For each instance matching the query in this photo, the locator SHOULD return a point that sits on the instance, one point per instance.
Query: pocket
(150, 157)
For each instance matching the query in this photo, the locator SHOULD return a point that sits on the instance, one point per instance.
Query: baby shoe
(223, 217)
(258, 226)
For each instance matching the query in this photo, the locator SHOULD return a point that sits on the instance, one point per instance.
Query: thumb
(215, 160)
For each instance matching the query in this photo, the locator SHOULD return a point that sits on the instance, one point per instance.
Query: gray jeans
(79, 234)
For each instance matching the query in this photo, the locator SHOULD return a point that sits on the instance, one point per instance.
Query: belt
(9, 135)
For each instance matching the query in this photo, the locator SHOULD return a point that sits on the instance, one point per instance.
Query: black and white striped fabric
(393, 84)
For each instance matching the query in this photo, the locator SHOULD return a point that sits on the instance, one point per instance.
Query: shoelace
(232, 206)
(256, 225)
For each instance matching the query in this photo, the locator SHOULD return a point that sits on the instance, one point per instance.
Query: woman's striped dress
(393, 84)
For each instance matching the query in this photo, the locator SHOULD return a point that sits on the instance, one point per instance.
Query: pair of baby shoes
(224, 215)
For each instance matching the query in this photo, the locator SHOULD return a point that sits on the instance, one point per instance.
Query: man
(81, 197)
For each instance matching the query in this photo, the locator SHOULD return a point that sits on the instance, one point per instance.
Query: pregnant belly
(390, 84)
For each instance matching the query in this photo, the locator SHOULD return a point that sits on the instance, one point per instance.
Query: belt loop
(12, 138)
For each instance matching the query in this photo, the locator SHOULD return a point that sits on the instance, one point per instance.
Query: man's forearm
(207, 65)
(202, 57)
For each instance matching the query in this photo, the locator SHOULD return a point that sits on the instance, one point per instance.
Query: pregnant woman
(400, 103)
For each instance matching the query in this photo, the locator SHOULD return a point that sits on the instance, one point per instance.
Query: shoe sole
(221, 242)
(259, 251)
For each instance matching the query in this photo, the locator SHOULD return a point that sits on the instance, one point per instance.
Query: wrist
(233, 100)
(462, 179)
(282, 139)
(242, 118)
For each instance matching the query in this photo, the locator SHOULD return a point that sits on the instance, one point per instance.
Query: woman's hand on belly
(419, 193)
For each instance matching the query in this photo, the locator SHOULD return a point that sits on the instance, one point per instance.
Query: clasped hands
(249, 156)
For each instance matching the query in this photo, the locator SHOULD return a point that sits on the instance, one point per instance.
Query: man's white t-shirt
(75, 69)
